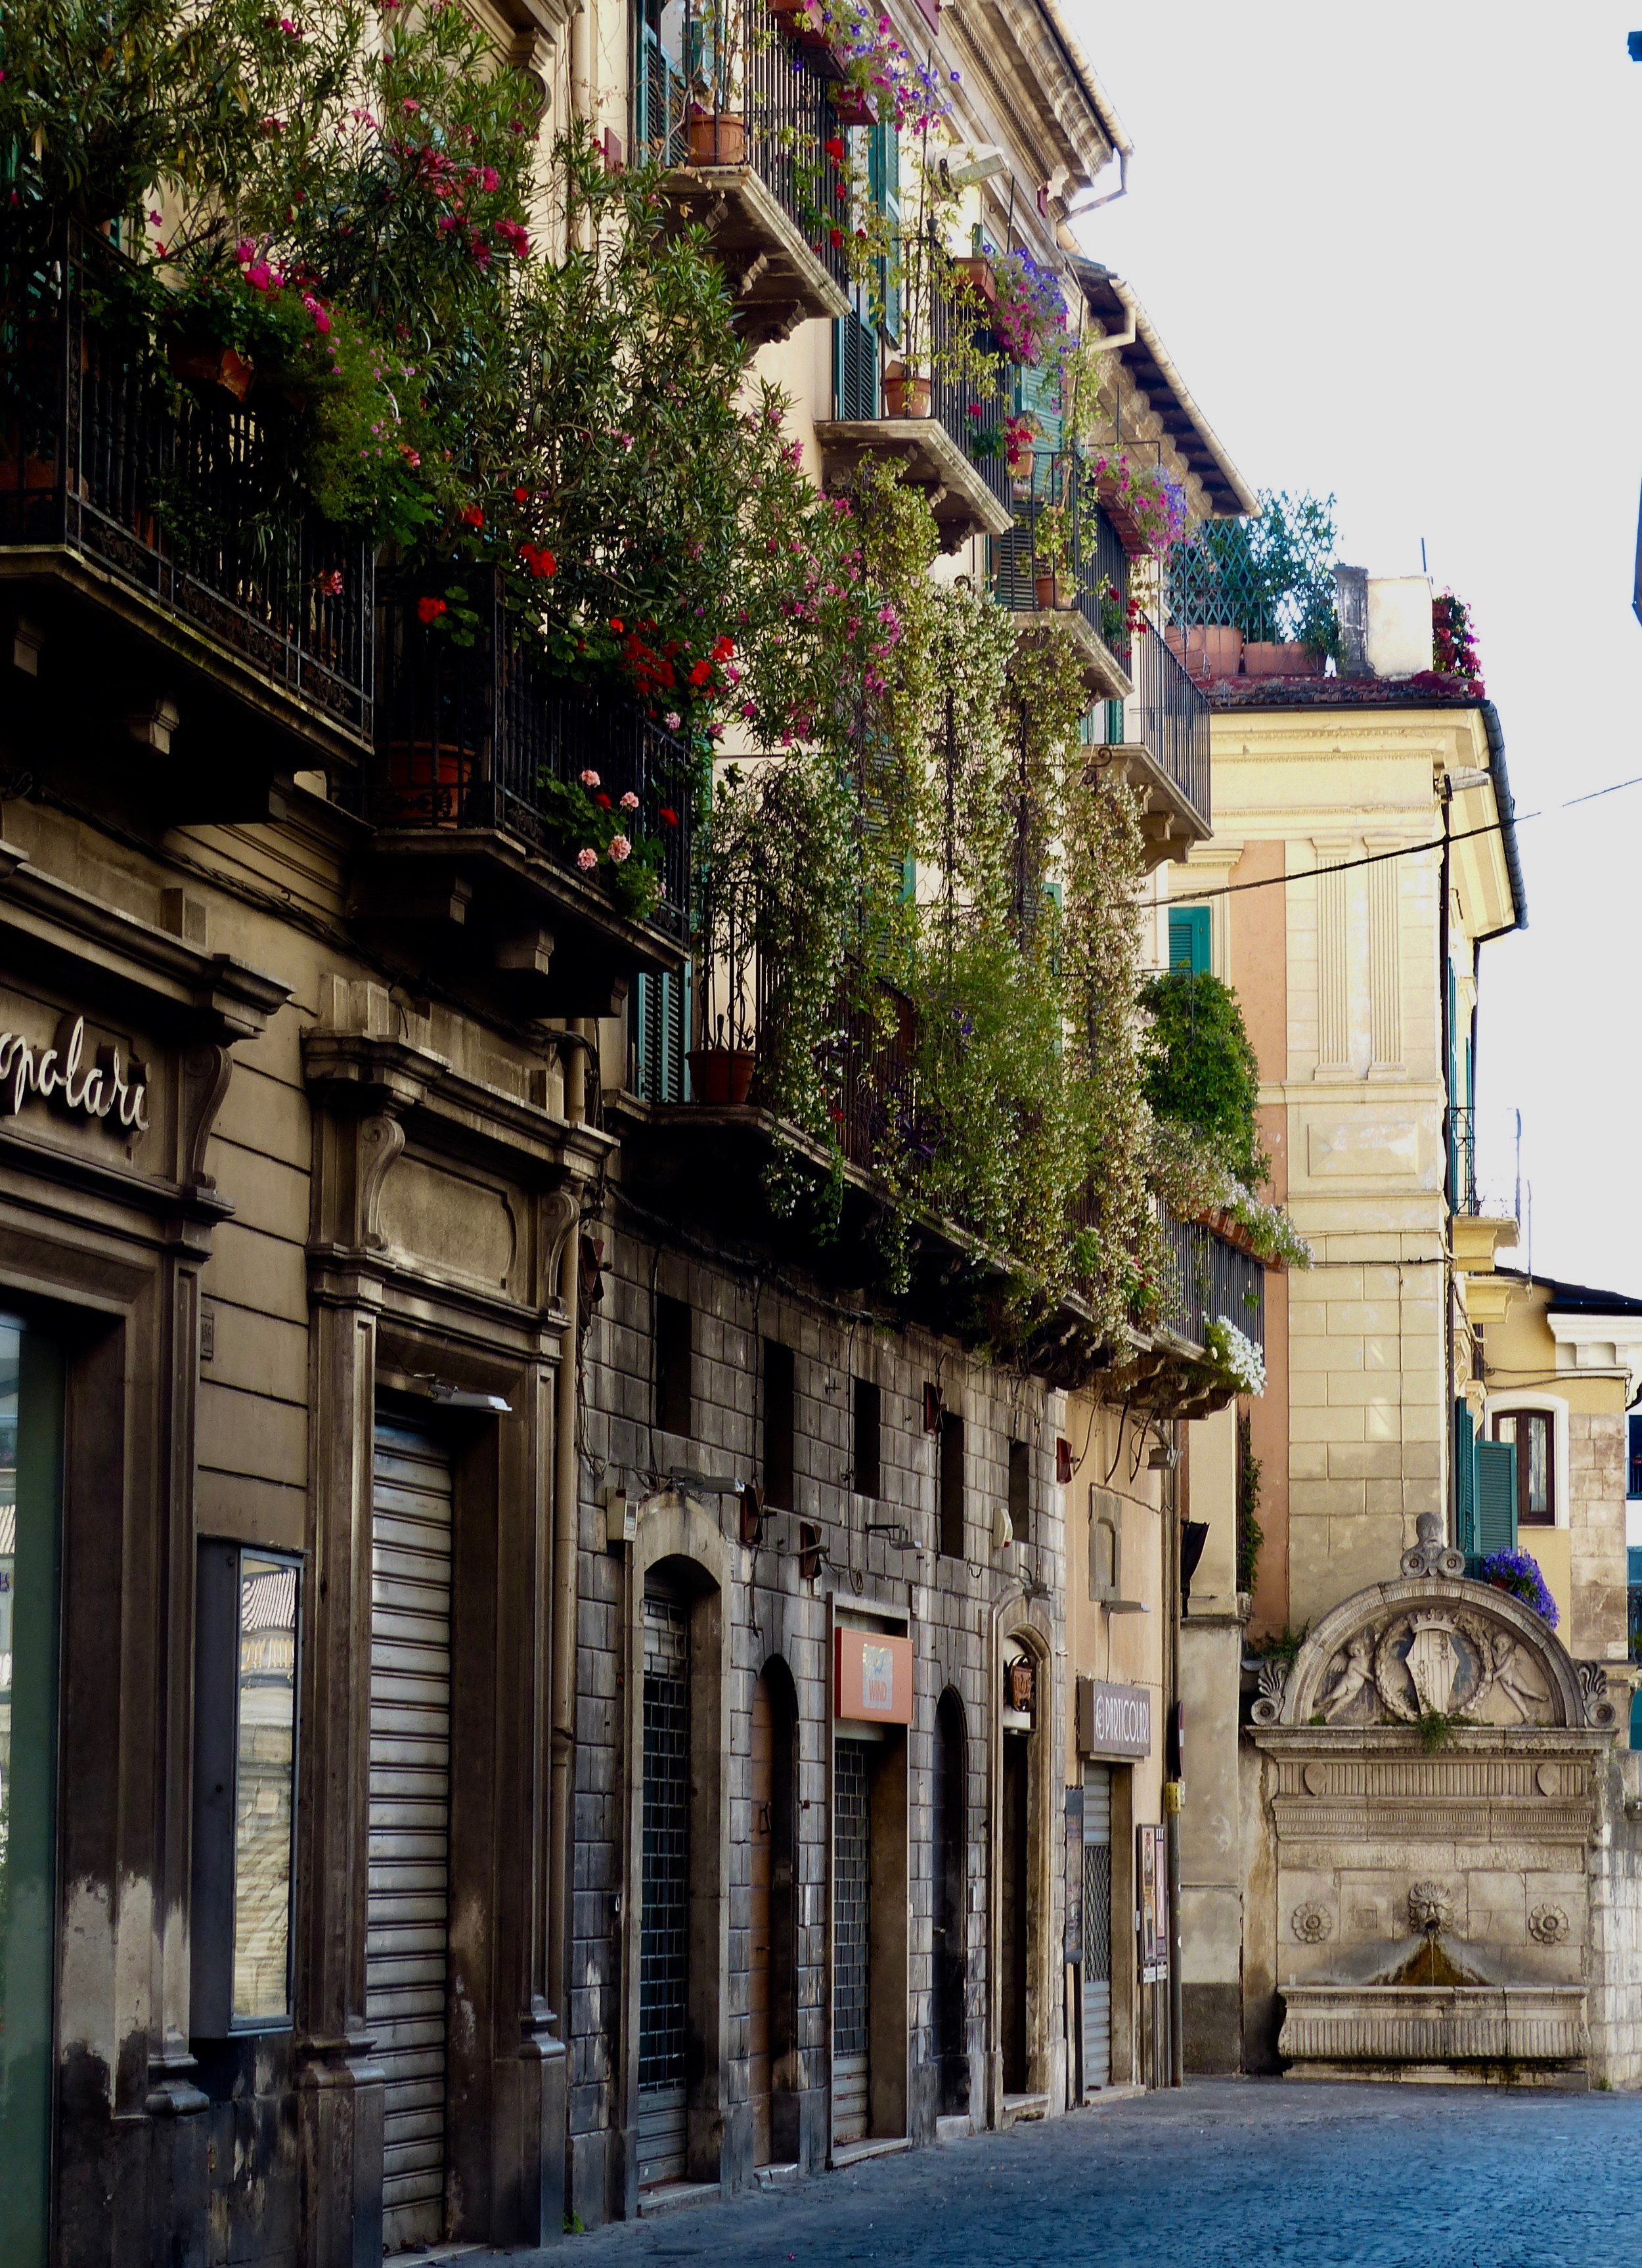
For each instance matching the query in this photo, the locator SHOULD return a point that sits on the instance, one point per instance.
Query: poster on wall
(1154, 1922)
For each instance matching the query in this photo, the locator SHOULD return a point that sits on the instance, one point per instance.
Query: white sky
(1392, 251)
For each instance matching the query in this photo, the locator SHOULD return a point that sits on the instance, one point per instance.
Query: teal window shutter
(1496, 1497)
(1464, 1479)
(883, 168)
(1189, 940)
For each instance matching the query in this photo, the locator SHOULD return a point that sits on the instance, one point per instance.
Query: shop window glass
(31, 1411)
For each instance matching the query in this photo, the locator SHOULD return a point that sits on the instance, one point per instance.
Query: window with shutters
(1465, 1478)
(661, 1018)
(883, 174)
(660, 84)
(1189, 940)
(1533, 1434)
(1496, 1497)
(1633, 1462)
(855, 367)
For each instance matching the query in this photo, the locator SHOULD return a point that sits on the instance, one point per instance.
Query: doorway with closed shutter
(772, 1947)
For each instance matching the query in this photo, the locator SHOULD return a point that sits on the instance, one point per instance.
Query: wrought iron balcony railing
(471, 737)
(174, 494)
(973, 413)
(1214, 1281)
(1061, 532)
(1168, 714)
(778, 89)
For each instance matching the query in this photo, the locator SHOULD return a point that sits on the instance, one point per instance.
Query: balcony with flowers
(735, 102)
(915, 1061)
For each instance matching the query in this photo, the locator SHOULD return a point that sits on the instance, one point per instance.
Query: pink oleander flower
(672, 720)
(620, 848)
(589, 778)
(587, 860)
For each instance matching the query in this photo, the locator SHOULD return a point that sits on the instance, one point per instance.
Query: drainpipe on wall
(1444, 796)
(565, 1509)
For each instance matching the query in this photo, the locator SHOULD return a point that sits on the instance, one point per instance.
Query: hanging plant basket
(977, 273)
(855, 105)
(801, 21)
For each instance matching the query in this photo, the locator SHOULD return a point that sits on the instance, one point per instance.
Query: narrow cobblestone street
(1230, 2174)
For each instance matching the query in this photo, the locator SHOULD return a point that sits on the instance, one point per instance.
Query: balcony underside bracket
(963, 504)
(775, 279)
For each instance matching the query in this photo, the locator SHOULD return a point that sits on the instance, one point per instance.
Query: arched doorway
(772, 1979)
(1020, 1851)
(949, 2044)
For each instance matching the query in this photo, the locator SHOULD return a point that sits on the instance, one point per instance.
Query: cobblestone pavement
(1227, 2174)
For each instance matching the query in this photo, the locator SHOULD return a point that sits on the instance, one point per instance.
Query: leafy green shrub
(1201, 1069)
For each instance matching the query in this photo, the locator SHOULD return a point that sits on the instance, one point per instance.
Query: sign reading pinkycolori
(1114, 1720)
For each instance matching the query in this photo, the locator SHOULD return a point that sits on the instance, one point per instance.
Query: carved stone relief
(1430, 1907)
(1550, 1924)
(1312, 1923)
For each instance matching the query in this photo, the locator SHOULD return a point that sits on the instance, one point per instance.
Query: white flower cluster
(1235, 1353)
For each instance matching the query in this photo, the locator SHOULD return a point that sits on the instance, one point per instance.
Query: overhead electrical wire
(1406, 851)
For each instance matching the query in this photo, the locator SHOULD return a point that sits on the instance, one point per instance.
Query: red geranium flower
(616, 624)
(603, 802)
(701, 673)
(429, 610)
(835, 150)
(472, 516)
(667, 815)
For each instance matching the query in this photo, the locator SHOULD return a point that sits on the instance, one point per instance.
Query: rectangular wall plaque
(1114, 1720)
(873, 1682)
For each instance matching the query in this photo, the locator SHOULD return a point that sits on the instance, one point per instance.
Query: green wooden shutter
(662, 1019)
(1464, 1479)
(855, 368)
(1189, 940)
(883, 168)
(1496, 1497)
(1039, 391)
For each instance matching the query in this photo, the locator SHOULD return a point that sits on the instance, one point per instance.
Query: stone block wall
(773, 1611)
(1596, 1541)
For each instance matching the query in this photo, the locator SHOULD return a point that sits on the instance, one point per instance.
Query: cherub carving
(1515, 1674)
(1356, 1672)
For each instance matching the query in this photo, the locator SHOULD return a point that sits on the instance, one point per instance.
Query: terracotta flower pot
(1208, 649)
(907, 397)
(977, 273)
(1054, 592)
(206, 365)
(426, 786)
(717, 137)
(854, 106)
(721, 1075)
(1285, 658)
(800, 20)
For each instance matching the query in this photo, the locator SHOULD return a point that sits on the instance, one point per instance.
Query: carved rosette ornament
(1312, 1923)
(1549, 1925)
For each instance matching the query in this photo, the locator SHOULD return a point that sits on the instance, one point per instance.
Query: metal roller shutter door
(407, 1942)
(1097, 1926)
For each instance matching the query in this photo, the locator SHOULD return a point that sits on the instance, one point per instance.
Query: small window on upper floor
(1534, 1433)
(1189, 941)
(674, 1386)
(1020, 1491)
(866, 1476)
(780, 1424)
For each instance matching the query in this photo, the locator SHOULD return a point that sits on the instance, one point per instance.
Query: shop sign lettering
(86, 1084)
(1114, 1720)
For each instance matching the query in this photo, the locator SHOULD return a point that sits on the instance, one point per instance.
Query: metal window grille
(851, 1886)
(664, 1932)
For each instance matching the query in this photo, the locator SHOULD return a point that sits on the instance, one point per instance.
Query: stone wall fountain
(1438, 1828)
